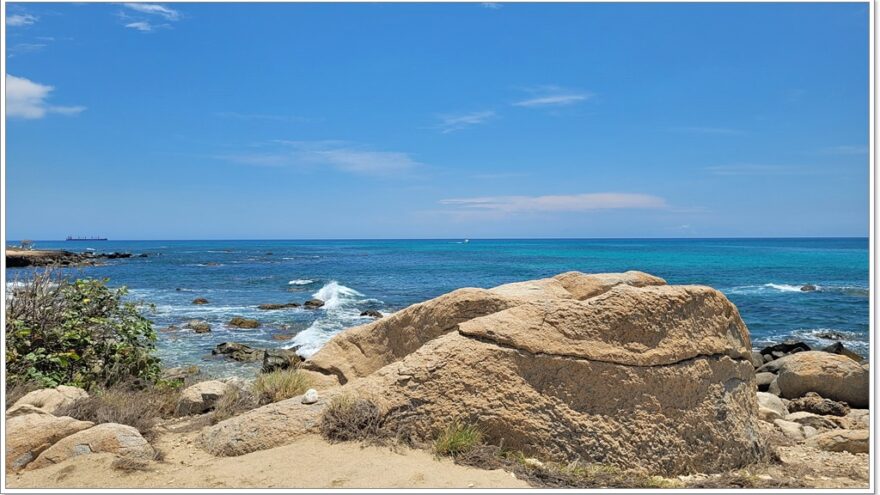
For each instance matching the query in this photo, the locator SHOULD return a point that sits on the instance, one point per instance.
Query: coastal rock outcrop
(198, 326)
(52, 399)
(28, 435)
(201, 397)
(313, 304)
(122, 440)
(241, 322)
(832, 376)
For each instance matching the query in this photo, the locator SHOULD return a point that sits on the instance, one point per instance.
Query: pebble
(310, 397)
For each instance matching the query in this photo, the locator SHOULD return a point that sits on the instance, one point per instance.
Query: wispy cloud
(144, 13)
(845, 150)
(758, 169)
(491, 5)
(557, 203)
(721, 131)
(27, 99)
(261, 116)
(456, 122)
(21, 20)
(337, 155)
(140, 26)
(155, 9)
(20, 48)
(553, 96)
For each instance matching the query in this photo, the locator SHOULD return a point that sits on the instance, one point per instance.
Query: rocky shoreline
(22, 258)
(616, 370)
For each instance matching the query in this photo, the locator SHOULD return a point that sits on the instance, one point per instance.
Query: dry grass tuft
(129, 465)
(348, 418)
(457, 438)
(234, 402)
(138, 408)
(279, 385)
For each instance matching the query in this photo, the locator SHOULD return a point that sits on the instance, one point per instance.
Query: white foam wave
(301, 281)
(335, 295)
(785, 287)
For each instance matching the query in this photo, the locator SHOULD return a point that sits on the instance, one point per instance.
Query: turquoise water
(761, 276)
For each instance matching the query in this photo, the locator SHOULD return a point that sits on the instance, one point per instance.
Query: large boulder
(832, 376)
(265, 427)
(122, 440)
(852, 441)
(655, 377)
(361, 350)
(28, 435)
(201, 397)
(52, 399)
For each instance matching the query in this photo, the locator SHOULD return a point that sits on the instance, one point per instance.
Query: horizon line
(459, 238)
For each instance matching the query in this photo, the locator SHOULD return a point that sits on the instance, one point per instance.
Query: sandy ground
(309, 462)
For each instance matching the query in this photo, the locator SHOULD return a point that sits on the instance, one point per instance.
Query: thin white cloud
(155, 9)
(27, 99)
(845, 150)
(553, 96)
(491, 5)
(143, 26)
(21, 20)
(456, 122)
(721, 131)
(558, 203)
(333, 154)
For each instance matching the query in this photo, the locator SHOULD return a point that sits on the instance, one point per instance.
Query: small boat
(466, 241)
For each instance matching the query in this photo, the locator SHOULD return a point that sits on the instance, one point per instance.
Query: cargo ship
(95, 238)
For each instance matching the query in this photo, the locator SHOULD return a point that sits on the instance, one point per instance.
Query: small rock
(310, 397)
(814, 403)
(764, 380)
(791, 430)
(181, 373)
(831, 336)
(768, 415)
(200, 300)
(757, 359)
(784, 349)
(169, 328)
(198, 326)
(313, 303)
(808, 288)
(278, 306)
(772, 402)
(240, 322)
(372, 313)
(29, 435)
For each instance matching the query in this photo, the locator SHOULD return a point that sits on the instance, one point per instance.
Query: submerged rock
(198, 326)
(372, 313)
(238, 352)
(278, 306)
(200, 300)
(313, 304)
(808, 288)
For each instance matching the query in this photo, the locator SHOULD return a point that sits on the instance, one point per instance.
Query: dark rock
(313, 304)
(764, 380)
(838, 348)
(371, 313)
(814, 403)
(784, 349)
(831, 336)
(198, 326)
(278, 306)
(200, 300)
(279, 359)
(239, 322)
(238, 352)
(808, 288)
(113, 256)
(269, 253)
(143, 255)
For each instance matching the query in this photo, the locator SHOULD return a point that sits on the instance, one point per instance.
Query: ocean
(762, 277)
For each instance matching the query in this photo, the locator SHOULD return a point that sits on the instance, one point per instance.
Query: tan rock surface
(832, 376)
(29, 435)
(113, 438)
(52, 399)
(852, 441)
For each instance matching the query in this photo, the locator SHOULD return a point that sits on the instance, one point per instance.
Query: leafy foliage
(81, 333)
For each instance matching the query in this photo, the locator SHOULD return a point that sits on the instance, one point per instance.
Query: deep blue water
(761, 276)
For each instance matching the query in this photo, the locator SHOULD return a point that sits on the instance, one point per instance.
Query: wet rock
(831, 336)
(313, 304)
(372, 313)
(784, 349)
(283, 337)
(169, 328)
(279, 359)
(278, 306)
(241, 322)
(200, 300)
(808, 288)
(198, 326)
(238, 352)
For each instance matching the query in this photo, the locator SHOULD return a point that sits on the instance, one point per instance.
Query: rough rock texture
(657, 377)
(265, 427)
(23, 409)
(810, 419)
(794, 431)
(52, 399)
(30, 434)
(122, 440)
(814, 403)
(832, 376)
(241, 322)
(853, 441)
(198, 326)
(201, 397)
(770, 401)
(362, 350)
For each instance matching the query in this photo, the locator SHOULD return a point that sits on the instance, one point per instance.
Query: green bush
(81, 333)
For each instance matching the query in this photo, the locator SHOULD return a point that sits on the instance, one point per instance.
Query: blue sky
(202, 121)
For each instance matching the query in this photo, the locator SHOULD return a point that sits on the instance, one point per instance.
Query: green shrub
(81, 333)
(457, 438)
(279, 385)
